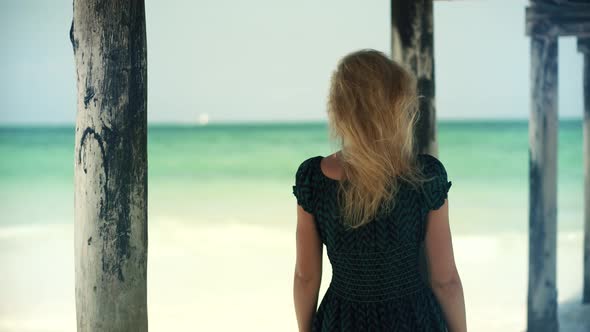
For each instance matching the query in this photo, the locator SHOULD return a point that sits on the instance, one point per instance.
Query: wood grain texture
(542, 291)
(584, 47)
(412, 44)
(561, 19)
(560, 2)
(110, 165)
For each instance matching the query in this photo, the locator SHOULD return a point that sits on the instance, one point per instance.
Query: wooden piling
(584, 48)
(542, 291)
(110, 165)
(412, 44)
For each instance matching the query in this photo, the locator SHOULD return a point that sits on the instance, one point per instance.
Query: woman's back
(376, 282)
(374, 221)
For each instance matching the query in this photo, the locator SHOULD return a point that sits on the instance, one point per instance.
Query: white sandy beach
(199, 274)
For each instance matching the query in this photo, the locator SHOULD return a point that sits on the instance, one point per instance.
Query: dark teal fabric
(376, 283)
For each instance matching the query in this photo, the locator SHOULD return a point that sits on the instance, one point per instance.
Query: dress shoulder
(437, 187)
(305, 178)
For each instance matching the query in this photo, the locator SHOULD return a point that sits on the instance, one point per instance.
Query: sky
(271, 60)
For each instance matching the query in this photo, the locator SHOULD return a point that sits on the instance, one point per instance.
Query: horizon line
(273, 122)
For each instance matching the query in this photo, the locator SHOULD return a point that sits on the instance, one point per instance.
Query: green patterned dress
(376, 282)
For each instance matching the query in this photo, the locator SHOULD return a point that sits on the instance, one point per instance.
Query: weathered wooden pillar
(412, 44)
(584, 48)
(110, 165)
(542, 291)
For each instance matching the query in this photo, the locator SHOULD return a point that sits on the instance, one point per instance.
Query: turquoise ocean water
(222, 223)
(244, 172)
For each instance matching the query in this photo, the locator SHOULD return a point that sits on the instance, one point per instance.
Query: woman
(372, 204)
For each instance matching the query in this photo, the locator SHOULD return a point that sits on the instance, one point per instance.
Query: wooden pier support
(584, 48)
(542, 290)
(412, 44)
(546, 21)
(110, 165)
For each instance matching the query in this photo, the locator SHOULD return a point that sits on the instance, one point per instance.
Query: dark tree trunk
(110, 165)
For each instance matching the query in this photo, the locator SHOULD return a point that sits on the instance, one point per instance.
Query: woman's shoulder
(307, 167)
(308, 172)
(438, 183)
(430, 164)
(305, 178)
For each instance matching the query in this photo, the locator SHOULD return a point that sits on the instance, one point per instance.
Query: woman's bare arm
(444, 278)
(308, 269)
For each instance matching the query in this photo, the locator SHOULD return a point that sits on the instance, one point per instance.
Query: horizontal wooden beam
(555, 2)
(564, 19)
(584, 45)
(560, 2)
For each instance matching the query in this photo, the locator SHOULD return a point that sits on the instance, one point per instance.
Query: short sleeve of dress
(436, 190)
(303, 188)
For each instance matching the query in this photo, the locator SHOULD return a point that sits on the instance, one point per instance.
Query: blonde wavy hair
(372, 113)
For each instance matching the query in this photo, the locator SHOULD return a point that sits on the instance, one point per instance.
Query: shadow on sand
(574, 316)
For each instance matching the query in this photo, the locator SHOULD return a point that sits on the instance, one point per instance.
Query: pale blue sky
(270, 60)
